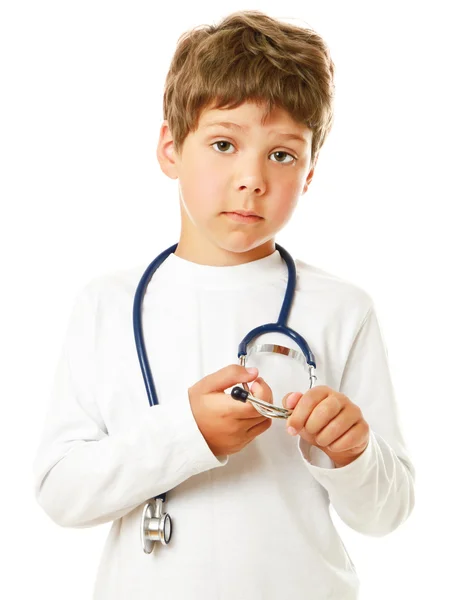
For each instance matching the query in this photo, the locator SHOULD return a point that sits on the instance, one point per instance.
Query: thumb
(291, 399)
(226, 378)
(261, 390)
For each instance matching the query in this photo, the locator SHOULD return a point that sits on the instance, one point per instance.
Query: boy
(249, 496)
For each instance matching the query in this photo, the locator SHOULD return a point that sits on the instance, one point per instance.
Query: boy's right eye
(222, 142)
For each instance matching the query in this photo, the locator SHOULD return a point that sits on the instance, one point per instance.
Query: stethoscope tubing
(280, 327)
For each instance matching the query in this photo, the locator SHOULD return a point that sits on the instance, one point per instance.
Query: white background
(82, 194)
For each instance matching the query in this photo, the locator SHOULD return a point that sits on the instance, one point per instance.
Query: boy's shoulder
(113, 285)
(329, 287)
(310, 276)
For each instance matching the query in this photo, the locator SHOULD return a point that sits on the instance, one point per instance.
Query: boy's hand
(330, 421)
(227, 424)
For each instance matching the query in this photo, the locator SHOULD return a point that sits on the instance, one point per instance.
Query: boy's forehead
(250, 113)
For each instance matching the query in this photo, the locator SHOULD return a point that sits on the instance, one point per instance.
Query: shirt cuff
(322, 467)
(194, 442)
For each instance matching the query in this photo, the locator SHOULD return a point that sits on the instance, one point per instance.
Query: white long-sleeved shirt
(252, 525)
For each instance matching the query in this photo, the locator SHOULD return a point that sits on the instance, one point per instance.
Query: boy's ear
(165, 152)
(309, 177)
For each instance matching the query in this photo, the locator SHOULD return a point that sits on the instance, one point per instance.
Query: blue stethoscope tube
(279, 327)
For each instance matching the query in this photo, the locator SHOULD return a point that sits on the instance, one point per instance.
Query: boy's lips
(242, 218)
(244, 213)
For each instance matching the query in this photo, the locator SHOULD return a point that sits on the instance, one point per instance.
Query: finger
(226, 378)
(306, 405)
(336, 428)
(356, 437)
(291, 400)
(260, 389)
(258, 428)
(323, 414)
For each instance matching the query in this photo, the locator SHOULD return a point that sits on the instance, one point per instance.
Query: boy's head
(270, 78)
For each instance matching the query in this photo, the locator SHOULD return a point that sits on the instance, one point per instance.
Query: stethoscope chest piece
(155, 526)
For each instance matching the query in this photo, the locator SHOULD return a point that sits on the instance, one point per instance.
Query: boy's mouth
(241, 218)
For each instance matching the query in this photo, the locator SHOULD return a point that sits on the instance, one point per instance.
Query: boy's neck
(218, 257)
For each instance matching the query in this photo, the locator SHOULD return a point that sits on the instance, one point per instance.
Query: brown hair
(250, 56)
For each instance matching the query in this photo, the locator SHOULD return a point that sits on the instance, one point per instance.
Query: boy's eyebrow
(231, 125)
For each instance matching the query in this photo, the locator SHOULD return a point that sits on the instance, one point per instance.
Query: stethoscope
(155, 525)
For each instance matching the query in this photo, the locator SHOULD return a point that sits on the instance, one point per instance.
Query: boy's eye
(278, 152)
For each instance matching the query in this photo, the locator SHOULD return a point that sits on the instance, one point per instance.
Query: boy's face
(223, 170)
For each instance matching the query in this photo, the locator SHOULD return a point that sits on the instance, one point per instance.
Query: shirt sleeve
(82, 475)
(375, 493)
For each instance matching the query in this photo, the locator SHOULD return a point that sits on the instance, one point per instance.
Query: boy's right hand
(228, 424)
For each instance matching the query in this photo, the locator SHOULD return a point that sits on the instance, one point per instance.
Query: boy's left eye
(278, 152)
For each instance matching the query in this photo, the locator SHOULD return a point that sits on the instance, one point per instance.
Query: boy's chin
(244, 246)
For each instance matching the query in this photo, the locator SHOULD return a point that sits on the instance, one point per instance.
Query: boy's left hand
(330, 421)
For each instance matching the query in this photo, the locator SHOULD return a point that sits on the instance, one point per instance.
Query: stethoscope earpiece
(264, 408)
